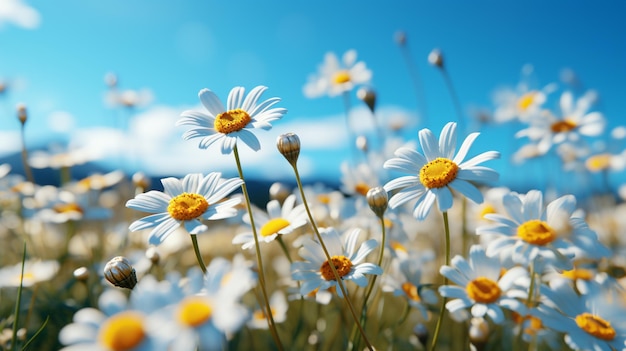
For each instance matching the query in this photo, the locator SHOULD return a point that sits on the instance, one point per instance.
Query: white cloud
(11, 142)
(19, 13)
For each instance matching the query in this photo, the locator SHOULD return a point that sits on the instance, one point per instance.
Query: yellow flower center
(123, 331)
(595, 326)
(323, 198)
(66, 208)
(194, 311)
(563, 126)
(342, 264)
(231, 121)
(483, 290)
(187, 206)
(598, 163)
(411, 291)
(341, 77)
(274, 226)
(260, 314)
(438, 173)
(524, 102)
(362, 188)
(536, 232)
(398, 247)
(486, 209)
(578, 273)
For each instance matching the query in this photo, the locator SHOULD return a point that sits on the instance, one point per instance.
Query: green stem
(417, 83)
(442, 308)
(332, 266)
(27, 170)
(18, 303)
(268, 314)
(283, 246)
(455, 99)
(529, 302)
(196, 250)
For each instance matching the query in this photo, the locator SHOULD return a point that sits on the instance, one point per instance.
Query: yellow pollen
(231, 121)
(578, 273)
(438, 173)
(194, 311)
(398, 247)
(123, 331)
(187, 206)
(411, 291)
(598, 163)
(342, 264)
(563, 126)
(595, 326)
(273, 226)
(526, 100)
(341, 77)
(69, 207)
(483, 290)
(362, 188)
(536, 232)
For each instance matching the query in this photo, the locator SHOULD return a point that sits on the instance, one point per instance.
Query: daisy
(236, 121)
(408, 284)
(593, 321)
(436, 173)
(277, 221)
(184, 202)
(551, 234)
(316, 273)
(575, 122)
(334, 78)
(35, 271)
(278, 306)
(480, 286)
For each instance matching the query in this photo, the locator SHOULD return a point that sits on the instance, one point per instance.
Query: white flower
(593, 321)
(481, 287)
(278, 306)
(334, 78)
(316, 273)
(236, 121)
(436, 173)
(184, 202)
(407, 282)
(277, 221)
(552, 234)
(35, 271)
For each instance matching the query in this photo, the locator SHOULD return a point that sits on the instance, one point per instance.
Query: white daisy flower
(593, 321)
(316, 273)
(436, 173)
(278, 306)
(334, 78)
(35, 271)
(549, 130)
(184, 202)
(277, 221)
(236, 121)
(551, 234)
(481, 287)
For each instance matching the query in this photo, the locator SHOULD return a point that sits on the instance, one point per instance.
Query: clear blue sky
(175, 48)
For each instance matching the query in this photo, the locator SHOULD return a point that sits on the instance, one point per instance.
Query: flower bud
(110, 79)
(400, 38)
(368, 96)
(289, 146)
(119, 272)
(479, 333)
(361, 143)
(81, 274)
(377, 198)
(21, 113)
(141, 181)
(435, 58)
(421, 332)
(153, 255)
(279, 191)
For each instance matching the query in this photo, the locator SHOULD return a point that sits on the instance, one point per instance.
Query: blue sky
(54, 56)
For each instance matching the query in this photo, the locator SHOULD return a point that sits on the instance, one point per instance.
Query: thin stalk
(18, 303)
(283, 246)
(332, 266)
(27, 170)
(455, 99)
(268, 315)
(529, 302)
(417, 82)
(442, 309)
(196, 250)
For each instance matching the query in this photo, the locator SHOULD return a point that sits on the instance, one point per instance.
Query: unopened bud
(421, 332)
(289, 146)
(479, 333)
(153, 255)
(81, 274)
(21, 113)
(400, 38)
(279, 191)
(110, 79)
(435, 58)
(140, 180)
(377, 198)
(368, 96)
(119, 272)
